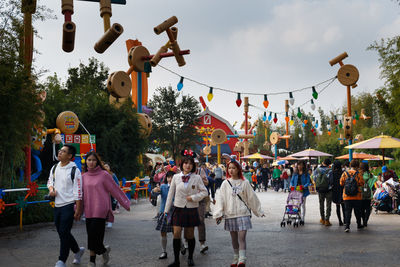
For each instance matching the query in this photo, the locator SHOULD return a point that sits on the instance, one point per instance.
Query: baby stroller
(382, 201)
(293, 209)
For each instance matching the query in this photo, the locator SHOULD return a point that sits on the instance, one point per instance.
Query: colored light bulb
(265, 116)
(291, 99)
(340, 124)
(356, 116)
(305, 121)
(275, 119)
(336, 129)
(316, 124)
(336, 120)
(354, 121)
(303, 125)
(312, 105)
(299, 113)
(265, 102)
(329, 133)
(315, 133)
(238, 100)
(314, 93)
(210, 94)
(291, 120)
(270, 116)
(180, 84)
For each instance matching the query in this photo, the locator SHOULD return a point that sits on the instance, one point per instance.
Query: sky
(252, 47)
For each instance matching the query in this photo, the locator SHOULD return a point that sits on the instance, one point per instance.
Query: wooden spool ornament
(207, 150)
(348, 75)
(68, 37)
(136, 58)
(67, 122)
(274, 138)
(119, 84)
(359, 138)
(145, 124)
(218, 136)
(238, 146)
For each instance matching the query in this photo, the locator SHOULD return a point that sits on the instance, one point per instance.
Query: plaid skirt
(238, 224)
(162, 224)
(185, 217)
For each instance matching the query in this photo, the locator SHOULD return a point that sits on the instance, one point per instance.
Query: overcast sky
(250, 46)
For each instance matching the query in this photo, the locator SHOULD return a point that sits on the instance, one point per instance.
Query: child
(162, 224)
(235, 200)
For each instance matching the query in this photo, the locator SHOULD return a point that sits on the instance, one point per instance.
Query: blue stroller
(293, 209)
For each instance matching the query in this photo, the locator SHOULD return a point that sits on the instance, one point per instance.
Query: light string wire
(241, 92)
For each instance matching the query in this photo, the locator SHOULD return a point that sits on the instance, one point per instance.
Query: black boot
(177, 247)
(191, 244)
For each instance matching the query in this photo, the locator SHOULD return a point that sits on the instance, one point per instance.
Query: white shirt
(67, 191)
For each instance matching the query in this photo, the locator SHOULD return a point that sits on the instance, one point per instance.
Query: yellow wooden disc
(67, 122)
(207, 150)
(145, 124)
(218, 136)
(119, 84)
(135, 57)
(274, 138)
(348, 75)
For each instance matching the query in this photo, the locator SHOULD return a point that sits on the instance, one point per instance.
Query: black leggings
(95, 228)
(338, 212)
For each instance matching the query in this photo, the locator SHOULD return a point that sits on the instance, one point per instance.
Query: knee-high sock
(177, 248)
(192, 244)
(164, 243)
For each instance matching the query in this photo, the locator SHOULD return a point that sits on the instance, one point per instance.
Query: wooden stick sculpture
(68, 39)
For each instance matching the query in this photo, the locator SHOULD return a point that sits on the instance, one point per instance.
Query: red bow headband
(188, 153)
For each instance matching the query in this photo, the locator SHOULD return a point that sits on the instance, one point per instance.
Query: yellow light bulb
(210, 97)
(291, 122)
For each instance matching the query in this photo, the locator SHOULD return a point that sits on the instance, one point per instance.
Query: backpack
(323, 181)
(284, 175)
(351, 185)
(53, 171)
(366, 191)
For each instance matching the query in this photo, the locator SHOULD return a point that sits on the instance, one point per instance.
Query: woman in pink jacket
(98, 184)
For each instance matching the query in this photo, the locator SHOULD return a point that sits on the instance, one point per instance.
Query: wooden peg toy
(69, 28)
(108, 38)
(348, 74)
(172, 35)
(119, 84)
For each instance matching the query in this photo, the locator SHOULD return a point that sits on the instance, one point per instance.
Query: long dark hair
(169, 174)
(99, 161)
(302, 162)
(237, 165)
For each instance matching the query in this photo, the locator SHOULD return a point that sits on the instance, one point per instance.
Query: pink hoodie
(98, 184)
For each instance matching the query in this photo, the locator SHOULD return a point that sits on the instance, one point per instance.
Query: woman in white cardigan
(186, 190)
(235, 201)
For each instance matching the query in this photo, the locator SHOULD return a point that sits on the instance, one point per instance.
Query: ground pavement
(134, 241)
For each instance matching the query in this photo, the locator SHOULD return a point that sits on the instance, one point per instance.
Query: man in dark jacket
(265, 174)
(324, 184)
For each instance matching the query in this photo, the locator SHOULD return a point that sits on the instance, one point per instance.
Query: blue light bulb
(270, 116)
(180, 84)
(304, 125)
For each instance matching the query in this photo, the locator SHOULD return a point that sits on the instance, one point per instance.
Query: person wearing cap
(387, 174)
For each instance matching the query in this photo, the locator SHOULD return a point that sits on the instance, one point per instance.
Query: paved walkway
(134, 241)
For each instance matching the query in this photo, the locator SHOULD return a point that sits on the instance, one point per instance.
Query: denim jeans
(63, 219)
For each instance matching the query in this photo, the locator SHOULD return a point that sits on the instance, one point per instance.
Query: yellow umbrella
(257, 156)
(377, 142)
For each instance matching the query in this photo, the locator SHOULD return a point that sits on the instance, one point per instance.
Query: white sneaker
(109, 224)
(60, 264)
(78, 255)
(106, 255)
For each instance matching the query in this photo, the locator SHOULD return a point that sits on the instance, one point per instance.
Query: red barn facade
(209, 119)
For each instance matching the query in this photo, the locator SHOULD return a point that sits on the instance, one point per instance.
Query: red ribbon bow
(185, 178)
(188, 153)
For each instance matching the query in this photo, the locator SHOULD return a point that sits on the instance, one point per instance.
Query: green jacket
(247, 175)
(370, 179)
(276, 174)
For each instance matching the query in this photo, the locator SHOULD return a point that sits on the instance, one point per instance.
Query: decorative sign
(77, 138)
(69, 138)
(85, 139)
(207, 119)
(92, 138)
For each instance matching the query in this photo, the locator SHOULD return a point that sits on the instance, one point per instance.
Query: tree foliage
(174, 121)
(117, 130)
(19, 104)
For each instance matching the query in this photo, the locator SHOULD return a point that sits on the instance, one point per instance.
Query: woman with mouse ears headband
(187, 189)
(235, 201)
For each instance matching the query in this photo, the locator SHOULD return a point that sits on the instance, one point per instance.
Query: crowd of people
(187, 190)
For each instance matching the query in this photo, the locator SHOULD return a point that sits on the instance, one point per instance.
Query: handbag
(240, 198)
(170, 215)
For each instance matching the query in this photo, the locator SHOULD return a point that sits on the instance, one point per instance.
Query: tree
(174, 122)
(19, 103)
(117, 130)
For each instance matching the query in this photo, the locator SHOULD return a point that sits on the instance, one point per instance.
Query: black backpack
(351, 185)
(53, 171)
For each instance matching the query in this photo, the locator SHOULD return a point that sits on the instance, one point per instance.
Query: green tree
(116, 129)
(19, 103)
(174, 122)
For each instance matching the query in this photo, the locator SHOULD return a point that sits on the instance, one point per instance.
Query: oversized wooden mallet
(166, 26)
(347, 74)
(274, 138)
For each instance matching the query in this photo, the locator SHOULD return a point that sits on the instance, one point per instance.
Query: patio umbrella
(380, 157)
(377, 142)
(287, 158)
(257, 156)
(310, 153)
(357, 156)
